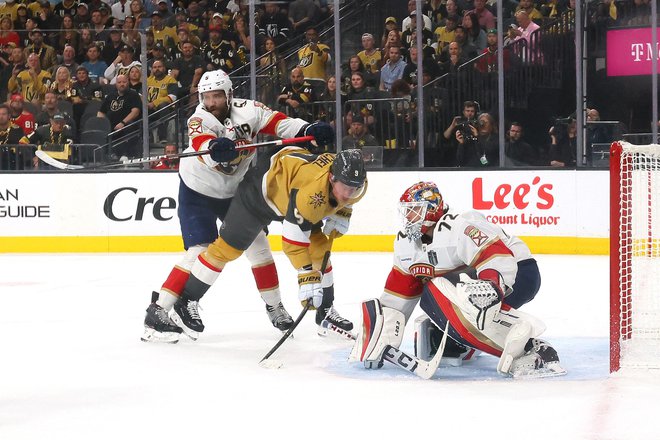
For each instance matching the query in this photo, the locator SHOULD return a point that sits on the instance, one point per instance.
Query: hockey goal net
(634, 256)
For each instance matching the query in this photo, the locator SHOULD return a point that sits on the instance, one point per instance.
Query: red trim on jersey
(208, 265)
(176, 281)
(266, 277)
(198, 140)
(368, 325)
(448, 310)
(295, 243)
(494, 249)
(270, 127)
(403, 284)
(328, 269)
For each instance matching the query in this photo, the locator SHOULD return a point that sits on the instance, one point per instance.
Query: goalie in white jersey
(208, 184)
(465, 271)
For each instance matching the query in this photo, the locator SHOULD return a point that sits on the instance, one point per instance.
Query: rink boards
(555, 211)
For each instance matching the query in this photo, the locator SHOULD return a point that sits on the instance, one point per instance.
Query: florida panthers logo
(476, 235)
(194, 126)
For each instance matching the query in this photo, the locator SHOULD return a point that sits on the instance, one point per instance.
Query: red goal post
(634, 256)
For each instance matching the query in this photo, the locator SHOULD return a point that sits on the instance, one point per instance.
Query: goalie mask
(420, 207)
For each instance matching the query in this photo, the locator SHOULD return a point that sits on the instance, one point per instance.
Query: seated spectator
(112, 46)
(390, 25)
(488, 62)
(188, 69)
(158, 53)
(142, 20)
(68, 36)
(84, 90)
(48, 22)
(484, 16)
(7, 34)
(196, 15)
(406, 24)
(55, 138)
(219, 53)
(354, 65)
(122, 107)
(362, 94)
(130, 35)
(393, 40)
(358, 136)
(409, 36)
(22, 16)
(120, 9)
(272, 65)
(46, 53)
(82, 17)
(122, 64)
(475, 34)
(10, 133)
(20, 117)
(326, 111)
(31, 83)
(49, 109)
(135, 79)
(15, 63)
(86, 41)
(95, 66)
(62, 86)
(445, 34)
(161, 91)
(563, 144)
(296, 94)
(167, 163)
(410, 72)
(274, 24)
(243, 35)
(371, 57)
(166, 35)
(528, 7)
(517, 151)
(65, 7)
(468, 51)
(392, 70)
(68, 61)
(101, 32)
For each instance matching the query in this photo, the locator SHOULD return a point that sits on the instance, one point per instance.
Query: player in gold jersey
(301, 190)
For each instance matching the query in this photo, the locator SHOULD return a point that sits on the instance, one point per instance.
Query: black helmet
(348, 168)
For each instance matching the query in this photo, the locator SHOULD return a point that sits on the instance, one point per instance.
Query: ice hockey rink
(73, 366)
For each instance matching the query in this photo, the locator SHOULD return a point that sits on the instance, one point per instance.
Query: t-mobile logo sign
(630, 52)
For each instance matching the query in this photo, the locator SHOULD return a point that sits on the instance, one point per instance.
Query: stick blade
(44, 157)
(271, 364)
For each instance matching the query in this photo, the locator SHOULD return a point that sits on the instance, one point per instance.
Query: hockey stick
(417, 366)
(274, 364)
(42, 155)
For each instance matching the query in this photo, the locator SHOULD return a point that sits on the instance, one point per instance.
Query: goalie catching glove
(309, 288)
(339, 222)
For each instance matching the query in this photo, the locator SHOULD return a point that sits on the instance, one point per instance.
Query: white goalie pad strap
(381, 326)
(422, 337)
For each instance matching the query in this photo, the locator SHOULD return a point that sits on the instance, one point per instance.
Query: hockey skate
(279, 317)
(331, 323)
(186, 315)
(539, 360)
(158, 327)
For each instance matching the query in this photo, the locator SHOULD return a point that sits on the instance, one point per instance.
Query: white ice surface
(72, 365)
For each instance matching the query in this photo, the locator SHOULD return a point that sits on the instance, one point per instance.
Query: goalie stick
(417, 366)
(43, 156)
(266, 362)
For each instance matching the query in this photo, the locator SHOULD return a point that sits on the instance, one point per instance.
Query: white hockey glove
(339, 221)
(309, 288)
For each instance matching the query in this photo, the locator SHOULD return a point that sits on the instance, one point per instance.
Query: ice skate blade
(192, 334)
(151, 335)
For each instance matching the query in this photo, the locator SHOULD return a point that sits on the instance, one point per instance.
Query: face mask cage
(412, 216)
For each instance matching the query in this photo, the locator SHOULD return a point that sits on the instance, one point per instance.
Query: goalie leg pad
(461, 330)
(381, 327)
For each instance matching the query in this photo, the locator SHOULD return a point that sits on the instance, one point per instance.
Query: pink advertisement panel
(629, 52)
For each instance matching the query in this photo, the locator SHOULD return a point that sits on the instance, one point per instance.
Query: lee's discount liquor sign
(630, 52)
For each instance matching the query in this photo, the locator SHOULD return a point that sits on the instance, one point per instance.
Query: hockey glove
(322, 132)
(339, 221)
(309, 288)
(223, 150)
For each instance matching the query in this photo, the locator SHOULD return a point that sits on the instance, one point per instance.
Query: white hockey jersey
(459, 240)
(247, 118)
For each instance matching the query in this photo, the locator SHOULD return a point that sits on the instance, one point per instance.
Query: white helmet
(215, 80)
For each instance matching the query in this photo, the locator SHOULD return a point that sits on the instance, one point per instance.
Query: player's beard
(220, 113)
